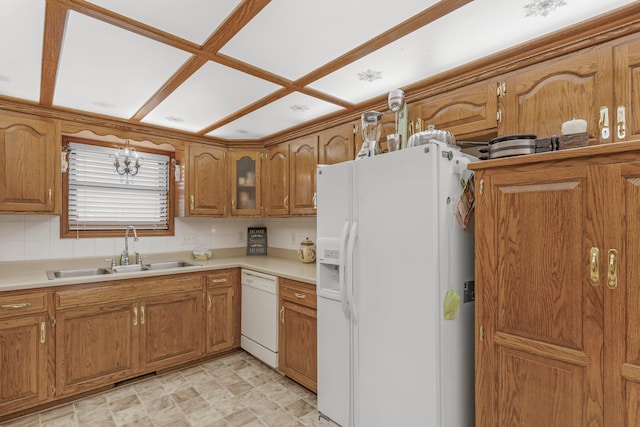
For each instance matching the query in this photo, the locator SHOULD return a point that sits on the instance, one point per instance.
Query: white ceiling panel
(107, 70)
(212, 93)
(291, 38)
(284, 113)
(192, 20)
(474, 31)
(21, 29)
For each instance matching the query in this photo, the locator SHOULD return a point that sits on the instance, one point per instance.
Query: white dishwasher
(260, 316)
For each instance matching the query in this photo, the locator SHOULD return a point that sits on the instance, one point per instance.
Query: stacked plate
(509, 145)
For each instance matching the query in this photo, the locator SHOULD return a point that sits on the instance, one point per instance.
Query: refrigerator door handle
(353, 235)
(343, 271)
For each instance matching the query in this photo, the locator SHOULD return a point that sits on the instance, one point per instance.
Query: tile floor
(236, 390)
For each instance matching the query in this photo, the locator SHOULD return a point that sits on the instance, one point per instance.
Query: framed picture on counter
(257, 241)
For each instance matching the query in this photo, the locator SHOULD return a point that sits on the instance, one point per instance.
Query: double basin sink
(81, 272)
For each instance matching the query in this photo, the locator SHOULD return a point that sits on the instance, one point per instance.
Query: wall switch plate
(189, 239)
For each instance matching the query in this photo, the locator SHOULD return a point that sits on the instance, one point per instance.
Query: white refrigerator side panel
(396, 291)
(456, 345)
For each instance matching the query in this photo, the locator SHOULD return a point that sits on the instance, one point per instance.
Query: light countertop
(33, 274)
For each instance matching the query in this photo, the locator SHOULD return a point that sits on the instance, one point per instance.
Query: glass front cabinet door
(245, 182)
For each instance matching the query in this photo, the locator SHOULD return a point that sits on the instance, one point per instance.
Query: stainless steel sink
(169, 264)
(79, 272)
(129, 268)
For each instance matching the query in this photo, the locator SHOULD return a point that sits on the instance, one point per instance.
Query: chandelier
(126, 161)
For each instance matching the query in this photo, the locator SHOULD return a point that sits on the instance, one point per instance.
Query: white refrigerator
(390, 250)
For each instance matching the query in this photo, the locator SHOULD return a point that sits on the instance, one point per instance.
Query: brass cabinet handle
(233, 203)
(43, 332)
(621, 121)
(50, 196)
(209, 303)
(612, 274)
(142, 315)
(604, 122)
(135, 316)
(222, 280)
(286, 201)
(15, 306)
(594, 272)
(299, 295)
(282, 315)
(192, 202)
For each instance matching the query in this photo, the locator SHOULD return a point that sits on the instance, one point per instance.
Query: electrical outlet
(189, 239)
(240, 236)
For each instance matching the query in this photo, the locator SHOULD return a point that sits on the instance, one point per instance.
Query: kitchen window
(99, 202)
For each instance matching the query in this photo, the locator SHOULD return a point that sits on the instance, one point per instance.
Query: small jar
(307, 251)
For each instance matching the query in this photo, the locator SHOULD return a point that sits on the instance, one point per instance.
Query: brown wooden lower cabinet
(24, 343)
(223, 311)
(61, 342)
(108, 333)
(298, 343)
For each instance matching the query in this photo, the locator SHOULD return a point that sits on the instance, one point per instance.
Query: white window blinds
(101, 199)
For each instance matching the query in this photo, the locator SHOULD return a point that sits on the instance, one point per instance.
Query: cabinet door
(302, 175)
(539, 350)
(620, 274)
(466, 112)
(542, 97)
(171, 328)
(246, 181)
(96, 346)
(23, 362)
(206, 181)
(30, 159)
(298, 347)
(625, 116)
(276, 183)
(220, 315)
(336, 145)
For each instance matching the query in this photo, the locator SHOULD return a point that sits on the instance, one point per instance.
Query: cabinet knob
(191, 202)
(282, 315)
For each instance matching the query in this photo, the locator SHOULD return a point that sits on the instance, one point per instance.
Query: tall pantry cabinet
(557, 288)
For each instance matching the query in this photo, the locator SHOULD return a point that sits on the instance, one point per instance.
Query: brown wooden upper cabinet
(302, 175)
(206, 181)
(246, 179)
(467, 112)
(276, 181)
(290, 178)
(337, 145)
(30, 159)
(595, 84)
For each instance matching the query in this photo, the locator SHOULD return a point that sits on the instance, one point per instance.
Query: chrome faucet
(124, 257)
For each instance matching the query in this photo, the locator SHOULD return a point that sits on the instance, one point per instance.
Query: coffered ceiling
(248, 69)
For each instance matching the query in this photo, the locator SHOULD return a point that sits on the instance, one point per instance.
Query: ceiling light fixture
(299, 108)
(126, 161)
(543, 7)
(370, 75)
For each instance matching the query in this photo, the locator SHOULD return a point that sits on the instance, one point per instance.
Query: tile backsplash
(34, 237)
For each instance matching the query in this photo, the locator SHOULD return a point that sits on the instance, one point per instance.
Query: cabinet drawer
(221, 278)
(19, 304)
(299, 292)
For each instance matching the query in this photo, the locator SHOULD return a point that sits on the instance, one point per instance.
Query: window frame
(65, 231)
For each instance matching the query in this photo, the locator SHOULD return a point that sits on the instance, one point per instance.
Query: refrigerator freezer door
(334, 341)
(395, 291)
